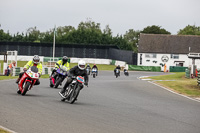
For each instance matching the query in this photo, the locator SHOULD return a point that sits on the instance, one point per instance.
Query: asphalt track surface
(108, 105)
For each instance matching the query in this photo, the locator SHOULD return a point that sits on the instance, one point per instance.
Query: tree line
(89, 33)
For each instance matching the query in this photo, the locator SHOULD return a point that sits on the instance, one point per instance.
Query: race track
(108, 105)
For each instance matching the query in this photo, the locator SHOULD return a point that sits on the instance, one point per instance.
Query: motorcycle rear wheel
(25, 89)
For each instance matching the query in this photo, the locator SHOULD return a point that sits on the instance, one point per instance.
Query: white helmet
(36, 59)
(81, 64)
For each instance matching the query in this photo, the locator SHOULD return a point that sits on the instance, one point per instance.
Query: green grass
(19, 64)
(100, 66)
(3, 131)
(22, 63)
(45, 76)
(180, 84)
(8, 77)
(172, 76)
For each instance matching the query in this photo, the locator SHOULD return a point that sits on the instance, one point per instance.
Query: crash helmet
(64, 59)
(81, 64)
(36, 59)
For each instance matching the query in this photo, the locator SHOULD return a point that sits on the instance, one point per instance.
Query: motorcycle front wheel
(25, 89)
(58, 82)
(94, 75)
(74, 94)
(51, 83)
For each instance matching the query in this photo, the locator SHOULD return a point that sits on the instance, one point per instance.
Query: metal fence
(70, 50)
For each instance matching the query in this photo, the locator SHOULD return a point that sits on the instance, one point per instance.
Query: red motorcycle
(27, 80)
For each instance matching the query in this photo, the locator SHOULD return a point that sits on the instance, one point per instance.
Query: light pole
(54, 40)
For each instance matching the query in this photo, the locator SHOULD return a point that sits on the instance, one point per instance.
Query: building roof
(169, 44)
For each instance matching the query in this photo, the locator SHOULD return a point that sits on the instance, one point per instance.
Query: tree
(87, 33)
(63, 33)
(18, 37)
(132, 38)
(5, 36)
(189, 30)
(155, 30)
(33, 34)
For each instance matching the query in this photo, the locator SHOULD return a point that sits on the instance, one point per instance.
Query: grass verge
(8, 77)
(179, 84)
(3, 131)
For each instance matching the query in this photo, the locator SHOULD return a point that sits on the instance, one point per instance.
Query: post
(54, 40)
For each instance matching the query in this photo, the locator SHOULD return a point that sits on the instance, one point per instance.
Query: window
(150, 55)
(174, 56)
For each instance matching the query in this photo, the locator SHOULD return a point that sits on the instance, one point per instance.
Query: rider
(78, 70)
(34, 62)
(96, 68)
(125, 71)
(61, 62)
(118, 67)
(88, 67)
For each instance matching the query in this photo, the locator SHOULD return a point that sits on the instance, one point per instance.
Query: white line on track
(7, 129)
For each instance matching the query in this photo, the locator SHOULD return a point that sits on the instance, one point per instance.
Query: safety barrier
(187, 73)
(144, 68)
(198, 78)
(177, 69)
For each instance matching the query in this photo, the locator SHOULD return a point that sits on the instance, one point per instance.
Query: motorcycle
(27, 80)
(94, 72)
(88, 71)
(117, 73)
(126, 73)
(73, 90)
(57, 78)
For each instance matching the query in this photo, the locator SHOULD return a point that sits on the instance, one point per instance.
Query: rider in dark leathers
(89, 68)
(95, 66)
(118, 67)
(78, 70)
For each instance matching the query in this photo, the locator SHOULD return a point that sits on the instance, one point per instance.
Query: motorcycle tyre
(74, 95)
(18, 92)
(25, 88)
(116, 75)
(58, 82)
(51, 84)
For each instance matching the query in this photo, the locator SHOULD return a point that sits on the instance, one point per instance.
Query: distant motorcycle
(94, 72)
(73, 90)
(117, 73)
(57, 78)
(27, 80)
(88, 71)
(126, 73)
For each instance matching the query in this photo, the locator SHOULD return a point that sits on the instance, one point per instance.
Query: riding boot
(61, 93)
(17, 81)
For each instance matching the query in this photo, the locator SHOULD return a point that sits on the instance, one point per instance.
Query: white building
(172, 50)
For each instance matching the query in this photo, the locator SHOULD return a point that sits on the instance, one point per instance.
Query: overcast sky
(120, 15)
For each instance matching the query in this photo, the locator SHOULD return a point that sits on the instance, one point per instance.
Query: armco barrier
(144, 68)
(177, 69)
